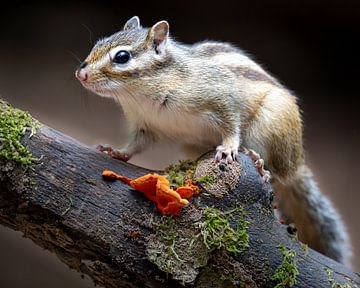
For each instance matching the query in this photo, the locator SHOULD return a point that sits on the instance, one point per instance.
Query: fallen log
(116, 236)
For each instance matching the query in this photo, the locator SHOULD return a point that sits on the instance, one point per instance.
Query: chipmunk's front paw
(114, 153)
(230, 154)
(259, 164)
(104, 148)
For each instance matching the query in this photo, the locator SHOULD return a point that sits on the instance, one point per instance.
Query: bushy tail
(318, 223)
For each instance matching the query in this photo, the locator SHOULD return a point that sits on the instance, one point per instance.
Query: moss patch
(332, 281)
(182, 245)
(177, 174)
(286, 273)
(14, 123)
(218, 233)
(305, 248)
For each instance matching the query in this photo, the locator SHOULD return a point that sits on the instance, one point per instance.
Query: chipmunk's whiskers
(91, 34)
(74, 55)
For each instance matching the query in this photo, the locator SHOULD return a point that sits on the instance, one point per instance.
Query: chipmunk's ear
(159, 34)
(132, 23)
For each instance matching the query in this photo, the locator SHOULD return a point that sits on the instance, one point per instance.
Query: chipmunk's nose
(80, 73)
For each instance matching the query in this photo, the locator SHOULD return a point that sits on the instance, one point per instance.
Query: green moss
(332, 281)
(177, 174)
(305, 248)
(206, 179)
(285, 275)
(176, 179)
(183, 165)
(218, 233)
(14, 123)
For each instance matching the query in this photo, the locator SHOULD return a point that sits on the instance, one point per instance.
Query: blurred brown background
(312, 48)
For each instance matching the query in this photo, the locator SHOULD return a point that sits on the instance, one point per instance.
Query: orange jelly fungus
(157, 188)
(135, 234)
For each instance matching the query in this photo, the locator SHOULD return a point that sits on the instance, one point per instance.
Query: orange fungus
(157, 188)
(135, 234)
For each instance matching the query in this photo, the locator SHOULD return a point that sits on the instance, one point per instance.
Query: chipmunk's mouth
(99, 85)
(101, 88)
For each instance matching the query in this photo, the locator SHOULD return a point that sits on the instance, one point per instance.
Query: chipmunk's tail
(317, 222)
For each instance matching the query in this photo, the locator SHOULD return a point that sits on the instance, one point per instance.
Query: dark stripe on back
(254, 75)
(213, 49)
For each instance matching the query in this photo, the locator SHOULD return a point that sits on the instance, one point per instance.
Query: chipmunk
(209, 95)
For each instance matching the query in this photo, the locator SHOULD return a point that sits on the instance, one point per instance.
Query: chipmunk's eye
(121, 57)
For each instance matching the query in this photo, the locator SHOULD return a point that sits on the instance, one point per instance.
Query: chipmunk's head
(117, 60)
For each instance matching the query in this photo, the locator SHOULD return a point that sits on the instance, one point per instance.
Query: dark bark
(64, 205)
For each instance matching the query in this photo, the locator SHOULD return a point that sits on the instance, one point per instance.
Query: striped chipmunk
(207, 95)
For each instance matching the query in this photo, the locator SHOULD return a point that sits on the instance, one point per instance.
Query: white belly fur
(180, 127)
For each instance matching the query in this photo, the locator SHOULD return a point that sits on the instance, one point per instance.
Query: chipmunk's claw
(114, 153)
(259, 164)
(230, 154)
(104, 148)
(266, 178)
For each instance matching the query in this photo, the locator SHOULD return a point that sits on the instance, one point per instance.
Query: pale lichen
(223, 271)
(212, 279)
(173, 250)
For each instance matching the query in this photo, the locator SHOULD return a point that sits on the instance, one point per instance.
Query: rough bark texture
(64, 205)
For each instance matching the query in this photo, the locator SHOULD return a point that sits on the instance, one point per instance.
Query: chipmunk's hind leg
(259, 163)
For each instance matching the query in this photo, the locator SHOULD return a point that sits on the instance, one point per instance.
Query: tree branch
(62, 203)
